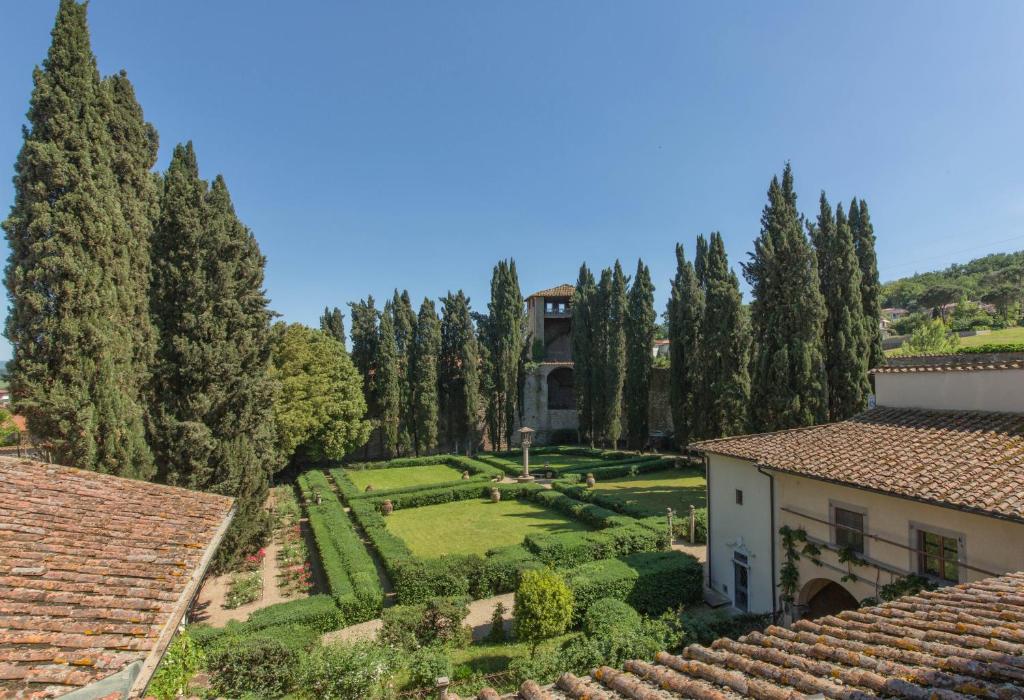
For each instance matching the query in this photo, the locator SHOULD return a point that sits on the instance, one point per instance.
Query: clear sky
(378, 144)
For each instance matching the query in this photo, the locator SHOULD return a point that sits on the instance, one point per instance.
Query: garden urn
(495, 495)
(465, 475)
(387, 506)
(369, 487)
(591, 481)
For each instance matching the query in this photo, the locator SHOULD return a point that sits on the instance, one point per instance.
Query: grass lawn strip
(655, 491)
(402, 477)
(474, 526)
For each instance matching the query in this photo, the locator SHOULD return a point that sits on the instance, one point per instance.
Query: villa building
(549, 402)
(928, 482)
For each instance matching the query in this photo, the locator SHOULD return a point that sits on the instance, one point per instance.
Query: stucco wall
(988, 390)
(745, 527)
(535, 406)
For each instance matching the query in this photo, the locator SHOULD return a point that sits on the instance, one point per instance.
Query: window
(849, 529)
(741, 580)
(938, 556)
(739, 497)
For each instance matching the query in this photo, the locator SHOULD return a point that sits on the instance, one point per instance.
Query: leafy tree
(388, 382)
(459, 372)
(870, 287)
(320, 406)
(723, 386)
(639, 337)
(583, 301)
(211, 419)
(787, 319)
(426, 352)
(938, 296)
(76, 305)
(685, 317)
(505, 343)
(845, 359)
(930, 338)
(543, 606)
(405, 329)
(332, 322)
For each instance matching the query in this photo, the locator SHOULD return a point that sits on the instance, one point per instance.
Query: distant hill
(996, 278)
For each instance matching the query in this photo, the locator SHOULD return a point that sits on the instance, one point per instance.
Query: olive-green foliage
(685, 315)
(543, 607)
(870, 287)
(253, 665)
(318, 612)
(497, 633)
(426, 354)
(639, 337)
(404, 319)
(609, 617)
(584, 386)
(931, 338)
(618, 640)
(388, 383)
(78, 303)
(608, 353)
(459, 376)
(701, 626)
(365, 339)
(183, 659)
(988, 276)
(347, 671)
(320, 407)
(428, 664)
(787, 370)
(349, 569)
(437, 621)
(332, 322)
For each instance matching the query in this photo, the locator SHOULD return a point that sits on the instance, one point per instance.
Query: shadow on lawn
(656, 498)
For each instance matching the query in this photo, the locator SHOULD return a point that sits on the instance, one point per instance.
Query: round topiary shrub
(609, 617)
(346, 670)
(428, 664)
(543, 606)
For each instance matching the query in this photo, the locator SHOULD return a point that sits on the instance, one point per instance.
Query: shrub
(347, 671)
(428, 664)
(257, 665)
(543, 607)
(501, 570)
(566, 549)
(543, 668)
(400, 623)
(183, 659)
(496, 634)
(705, 626)
(317, 612)
(582, 653)
(610, 617)
(437, 621)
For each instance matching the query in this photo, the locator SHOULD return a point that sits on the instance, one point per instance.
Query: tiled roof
(960, 642)
(562, 290)
(952, 363)
(966, 459)
(96, 572)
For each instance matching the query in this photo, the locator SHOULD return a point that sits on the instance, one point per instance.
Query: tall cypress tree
(332, 322)
(639, 335)
(685, 317)
(583, 300)
(870, 287)
(788, 388)
(405, 330)
(700, 261)
(600, 328)
(389, 382)
(211, 423)
(845, 361)
(723, 387)
(459, 374)
(426, 352)
(74, 298)
(610, 352)
(365, 319)
(506, 338)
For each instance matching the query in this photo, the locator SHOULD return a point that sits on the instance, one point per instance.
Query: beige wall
(978, 390)
(535, 406)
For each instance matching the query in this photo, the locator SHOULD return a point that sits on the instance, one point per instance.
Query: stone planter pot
(550, 475)
(387, 507)
(369, 487)
(495, 495)
(465, 476)
(591, 480)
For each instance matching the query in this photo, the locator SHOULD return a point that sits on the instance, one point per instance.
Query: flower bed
(243, 588)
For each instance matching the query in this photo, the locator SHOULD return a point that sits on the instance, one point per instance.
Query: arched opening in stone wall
(822, 596)
(560, 390)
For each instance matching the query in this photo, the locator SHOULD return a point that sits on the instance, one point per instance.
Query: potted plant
(387, 507)
(591, 481)
(495, 495)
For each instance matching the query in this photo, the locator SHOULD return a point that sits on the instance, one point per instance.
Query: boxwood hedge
(478, 470)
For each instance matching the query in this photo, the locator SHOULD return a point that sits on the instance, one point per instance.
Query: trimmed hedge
(477, 469)
(349, 568)
(651, 582)
(318, 612)
(566, 549)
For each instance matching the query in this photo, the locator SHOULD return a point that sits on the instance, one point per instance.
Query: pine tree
(788, 388)
(845, 362)
(405, 330)
(639, 335)
(723, 386)
(505, 341)
(870, 287)
(583, 300)
(74, 297)
(332, 322)
(459, 374)
(426, 352)
(685, 313)
(388, 381)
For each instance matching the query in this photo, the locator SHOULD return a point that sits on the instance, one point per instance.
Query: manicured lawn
(473, 526)
(554, 462)
(399, 477)
(655, 491)
(1006, 335)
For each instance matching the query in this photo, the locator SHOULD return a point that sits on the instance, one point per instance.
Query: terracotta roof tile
(966, 459)
(95, 572)
(970, 362)
(961, 642)
(562, 290)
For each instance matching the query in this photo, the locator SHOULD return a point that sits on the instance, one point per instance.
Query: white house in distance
(929, 482)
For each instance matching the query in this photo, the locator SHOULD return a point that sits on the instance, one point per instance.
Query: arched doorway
(822, 596)
(560, 390)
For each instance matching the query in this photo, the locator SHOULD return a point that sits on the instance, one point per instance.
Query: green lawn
(655, 491)
(1005, 335)
(473, 526)
(555, 462)
(399, 477)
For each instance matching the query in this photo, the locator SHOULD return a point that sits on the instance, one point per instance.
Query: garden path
(479, 618)
(210, 608)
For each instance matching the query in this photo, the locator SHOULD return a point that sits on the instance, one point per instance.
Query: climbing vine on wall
(794, 546)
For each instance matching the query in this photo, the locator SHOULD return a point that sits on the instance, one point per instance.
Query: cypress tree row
(609, 353)
(505, 340)
(870, 287)
(211, 427)
(77, 303)
(700, 261)
(639, 336)
(405, 329)
(332, 322)
(583, 302)
(426, 352)
(365, 319)
(388, 382)
(723, 386)
(685, 317)
(788, 388)
(459, 375)
(845, 361)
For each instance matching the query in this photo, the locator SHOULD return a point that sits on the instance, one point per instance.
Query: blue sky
(376, 144)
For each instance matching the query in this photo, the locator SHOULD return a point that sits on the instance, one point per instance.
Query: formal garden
(409, 544)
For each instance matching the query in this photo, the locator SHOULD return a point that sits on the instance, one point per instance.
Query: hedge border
(478, 470)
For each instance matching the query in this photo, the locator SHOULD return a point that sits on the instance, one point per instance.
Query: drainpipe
(707, 545)
(771, 497)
